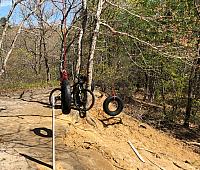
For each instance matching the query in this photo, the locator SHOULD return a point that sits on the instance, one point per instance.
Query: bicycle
(82, 98)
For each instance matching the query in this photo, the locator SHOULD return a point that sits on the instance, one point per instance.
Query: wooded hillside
(144, 49)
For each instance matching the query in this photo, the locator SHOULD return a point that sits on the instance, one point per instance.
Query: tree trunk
(11, 49)
(43, 48)
(93, 43)
(191, 85)
(78, 63)
(194, 70)
(48, 76)
(151, 88)
(189, 100)
(146, 86)
(81, 36)
(163, 97)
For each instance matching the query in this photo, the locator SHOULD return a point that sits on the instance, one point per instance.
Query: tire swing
(65, 94)
(111, 102)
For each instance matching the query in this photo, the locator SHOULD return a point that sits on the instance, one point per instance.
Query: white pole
(136, 152)
(53, 134)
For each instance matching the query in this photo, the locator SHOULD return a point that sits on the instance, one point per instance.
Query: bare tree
(43, 44)
(3, 69)
(3, 62)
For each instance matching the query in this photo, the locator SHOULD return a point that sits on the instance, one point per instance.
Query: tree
(4, 63)
(193, 73)
(93, 42)
(157, 45)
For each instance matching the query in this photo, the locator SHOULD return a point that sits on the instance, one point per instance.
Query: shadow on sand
(36, 160)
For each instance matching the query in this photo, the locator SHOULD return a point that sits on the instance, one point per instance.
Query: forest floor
(98, 142)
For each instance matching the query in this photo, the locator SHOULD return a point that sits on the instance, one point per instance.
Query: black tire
(65, 97)
(118, 110)
(85, 100)
(57, 94)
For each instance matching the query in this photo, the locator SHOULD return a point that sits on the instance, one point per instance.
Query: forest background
(145, 49)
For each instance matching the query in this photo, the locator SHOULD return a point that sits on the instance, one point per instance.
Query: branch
(159, 51)
(130, 55)
(117, 6)
(136, 152)
(147, 67)
(128, 35)
(193, 143)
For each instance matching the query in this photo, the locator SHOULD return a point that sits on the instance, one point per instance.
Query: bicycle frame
(80, 94)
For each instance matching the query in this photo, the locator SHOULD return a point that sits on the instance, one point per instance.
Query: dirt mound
(110, 135)
(95, 142)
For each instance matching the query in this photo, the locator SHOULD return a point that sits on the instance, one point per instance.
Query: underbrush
(157, 119)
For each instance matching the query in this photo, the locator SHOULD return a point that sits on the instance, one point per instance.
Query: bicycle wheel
(65, 97)
(113, 105)
(57, 94)
(84, 99)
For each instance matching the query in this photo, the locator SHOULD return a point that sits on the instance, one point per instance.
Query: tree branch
(128, 35)
(117, 6)
(165, 54)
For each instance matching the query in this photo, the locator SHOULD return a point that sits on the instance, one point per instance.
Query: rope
(64, 37)
(113, 90)
(63, 71)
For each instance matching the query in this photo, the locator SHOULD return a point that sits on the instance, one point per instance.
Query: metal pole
(53, 134)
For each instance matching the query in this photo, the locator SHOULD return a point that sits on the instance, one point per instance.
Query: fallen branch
(147, 103)
(136, 152)
(148, 151)
(193, 143)
(178, 166)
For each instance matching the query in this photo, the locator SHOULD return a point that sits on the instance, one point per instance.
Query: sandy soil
(97, 142)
